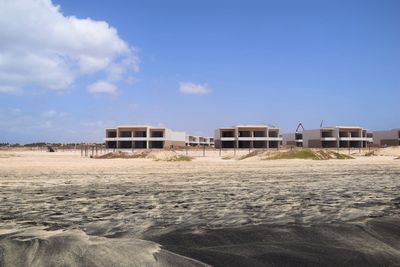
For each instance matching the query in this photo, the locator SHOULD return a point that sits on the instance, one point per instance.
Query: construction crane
(298, 126)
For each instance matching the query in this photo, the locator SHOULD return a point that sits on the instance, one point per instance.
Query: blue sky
(198, 65)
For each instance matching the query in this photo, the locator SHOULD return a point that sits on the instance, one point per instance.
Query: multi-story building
(143, 137)
(387, 138)
(293, 139)
(192, 140)
(339, 136)
(247, 136)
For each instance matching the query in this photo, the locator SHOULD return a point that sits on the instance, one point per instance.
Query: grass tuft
(369, 154)
(342, 156)
(309, 154)
(179, 158)
(296, 154)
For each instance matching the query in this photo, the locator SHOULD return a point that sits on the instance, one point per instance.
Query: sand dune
(36, 247)
(374, 243)
(209, 209)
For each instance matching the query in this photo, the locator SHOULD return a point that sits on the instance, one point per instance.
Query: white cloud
(40, 48)
(103, 87)
(192, 88)
(9, 89)
(49, 114)
(53, 114)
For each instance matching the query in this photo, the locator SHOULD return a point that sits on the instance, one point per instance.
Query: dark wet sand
(374, 243)
(61, 210)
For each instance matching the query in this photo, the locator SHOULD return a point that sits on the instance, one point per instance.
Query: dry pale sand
(61, 209)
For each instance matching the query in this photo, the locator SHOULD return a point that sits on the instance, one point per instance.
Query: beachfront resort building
(193, 140)
(387, 138)
(247, 136)
(337, 137)
(143, 137)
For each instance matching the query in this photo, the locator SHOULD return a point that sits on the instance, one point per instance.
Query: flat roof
(248, 126)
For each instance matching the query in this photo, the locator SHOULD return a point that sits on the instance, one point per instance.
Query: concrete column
(337, 138)
(147, 138)
(267, 135)
(117, 142)
(236, 138)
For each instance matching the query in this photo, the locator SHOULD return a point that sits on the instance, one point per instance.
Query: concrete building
(293, 139)
(339, 136)
(247, 136)
(192, 140)
(143, 137)
(387, 138)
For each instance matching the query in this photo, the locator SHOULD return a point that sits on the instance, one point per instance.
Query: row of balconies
(134, 139)
(251, 138)
(134, 134)
(249, 134)
(369, 139)
(354, 134)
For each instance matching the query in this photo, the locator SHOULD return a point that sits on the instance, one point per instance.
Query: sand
(135, 212)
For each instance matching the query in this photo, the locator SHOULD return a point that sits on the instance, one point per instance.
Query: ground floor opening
(111, 144)
(156, 144)
(228, 144)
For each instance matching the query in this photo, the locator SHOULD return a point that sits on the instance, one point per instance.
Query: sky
(70, 68)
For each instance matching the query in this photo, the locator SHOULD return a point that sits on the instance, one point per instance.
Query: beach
(208, 211)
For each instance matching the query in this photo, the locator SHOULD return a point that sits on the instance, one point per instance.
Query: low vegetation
(180, 158)
(370, 154)
(252, 154)
(342, 156)
(308, 154)
(170, 156)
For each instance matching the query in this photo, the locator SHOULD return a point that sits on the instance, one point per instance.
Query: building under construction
(247, 136)
(194, 140)
(143, 137)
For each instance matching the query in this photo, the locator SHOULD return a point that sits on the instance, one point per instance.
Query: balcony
(355, 139)
(328, 138)
(228, 134)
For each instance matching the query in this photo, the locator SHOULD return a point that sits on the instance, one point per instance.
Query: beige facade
(337, 137)
(387, 138)
(143, 137)
(247, 136)
(194, 140)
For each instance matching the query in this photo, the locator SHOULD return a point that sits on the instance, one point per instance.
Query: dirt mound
(296, 154)
(116, 155)
(162, 155)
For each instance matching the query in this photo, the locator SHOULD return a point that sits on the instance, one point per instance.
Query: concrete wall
(310, 138)
(174, 144)
(386, 138)
(175, 136)
(289, 139)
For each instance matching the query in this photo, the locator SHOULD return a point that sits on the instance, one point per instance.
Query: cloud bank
(41, 49)
(192, 88)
